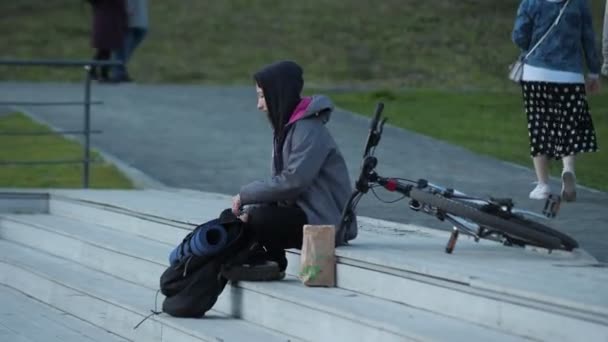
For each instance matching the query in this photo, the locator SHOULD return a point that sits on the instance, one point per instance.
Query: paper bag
(318, 261)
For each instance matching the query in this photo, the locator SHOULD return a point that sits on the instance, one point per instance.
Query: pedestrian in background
(108, 33)
(137, 12)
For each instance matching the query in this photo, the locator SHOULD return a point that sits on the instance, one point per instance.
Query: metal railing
(86, 132)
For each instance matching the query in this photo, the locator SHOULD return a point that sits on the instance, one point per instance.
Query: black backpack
(193, 285)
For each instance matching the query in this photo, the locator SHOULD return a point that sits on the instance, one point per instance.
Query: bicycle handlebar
(374, 130)
(394, 185)
(377, 112)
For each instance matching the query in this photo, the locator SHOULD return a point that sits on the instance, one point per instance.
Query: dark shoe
(109, 80)
(253, 254)
(121, 79)
(282, 262)
(126, 79)
(568, 186)
(280, 257)
(267, 271)
(93, 75)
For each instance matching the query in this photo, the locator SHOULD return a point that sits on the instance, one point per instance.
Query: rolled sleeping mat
(206, 240)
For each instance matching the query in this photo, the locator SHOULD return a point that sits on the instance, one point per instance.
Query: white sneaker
(568, 186)
(540, 192)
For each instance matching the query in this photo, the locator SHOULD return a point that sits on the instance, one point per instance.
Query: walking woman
(560, 35)
(109, 28)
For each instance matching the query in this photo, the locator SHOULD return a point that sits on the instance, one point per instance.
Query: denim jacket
(561, 49)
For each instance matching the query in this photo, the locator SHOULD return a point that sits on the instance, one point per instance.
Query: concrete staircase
(90, 262)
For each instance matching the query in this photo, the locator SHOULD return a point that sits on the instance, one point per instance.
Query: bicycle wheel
(517, 227)
(568, 242)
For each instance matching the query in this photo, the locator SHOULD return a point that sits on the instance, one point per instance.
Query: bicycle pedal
(552, 205)
(449, 248)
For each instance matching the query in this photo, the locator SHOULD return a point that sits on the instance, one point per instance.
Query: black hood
(282, 85)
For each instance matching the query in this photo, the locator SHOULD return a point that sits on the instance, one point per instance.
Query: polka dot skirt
(559, 123)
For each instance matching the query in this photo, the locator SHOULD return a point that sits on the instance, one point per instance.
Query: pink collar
(300, 110)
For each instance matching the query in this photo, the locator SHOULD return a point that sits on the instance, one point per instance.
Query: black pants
(277, 228)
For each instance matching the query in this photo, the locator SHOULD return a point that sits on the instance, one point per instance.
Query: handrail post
(87, 126)
(88, 65)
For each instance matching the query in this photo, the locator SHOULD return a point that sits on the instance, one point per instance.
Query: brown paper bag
(318, 260)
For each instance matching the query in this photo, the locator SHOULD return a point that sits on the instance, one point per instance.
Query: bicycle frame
(368, 177)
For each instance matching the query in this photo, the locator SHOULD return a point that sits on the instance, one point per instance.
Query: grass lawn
(49, 147)
(460, 49)
(485, 122)
(443, 44)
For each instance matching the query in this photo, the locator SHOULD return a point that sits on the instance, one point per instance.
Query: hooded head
(281, 84)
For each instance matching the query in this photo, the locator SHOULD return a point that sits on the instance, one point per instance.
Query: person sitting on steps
(309, 183)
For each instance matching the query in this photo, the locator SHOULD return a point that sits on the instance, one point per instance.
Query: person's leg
(568, 179)
(277, 228)
(579, 135)
(541, 167)
(133, 38)
(105, 55)
(119, 72)
(94, 70)
(568, 163)
(538, 133)
(130, 38)
(137, 36)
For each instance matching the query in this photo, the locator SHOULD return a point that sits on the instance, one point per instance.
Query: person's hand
(605, 69)
(236, 205)
(593, 85)
(244, 217)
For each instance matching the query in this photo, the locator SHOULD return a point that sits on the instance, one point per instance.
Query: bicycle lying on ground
(493, 218)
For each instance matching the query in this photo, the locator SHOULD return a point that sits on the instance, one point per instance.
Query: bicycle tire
(520, 228)
(568, 242)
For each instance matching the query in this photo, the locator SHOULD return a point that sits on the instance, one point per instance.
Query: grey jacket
(314, 176)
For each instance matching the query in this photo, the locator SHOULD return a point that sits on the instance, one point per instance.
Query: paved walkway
(213, 139)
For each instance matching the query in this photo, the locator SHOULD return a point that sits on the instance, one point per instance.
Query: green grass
(484, 122)
(450, 44)
(48, 147)
(453, 47)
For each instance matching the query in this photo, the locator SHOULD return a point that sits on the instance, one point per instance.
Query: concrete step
(24, 202)
(515, 272)
(115, 217)
(500, 310)
(334, 314)
(111, 303)
(22, 318)
(504, 288)
(331, 313)
(110, 251)
(419, 252)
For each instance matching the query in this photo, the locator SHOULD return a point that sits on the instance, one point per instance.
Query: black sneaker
(266, 271)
